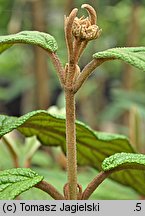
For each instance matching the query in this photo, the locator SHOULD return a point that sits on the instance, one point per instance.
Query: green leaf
(15, 181)
(124, 161)
(131, 55)
(92, 147)
(40, 39)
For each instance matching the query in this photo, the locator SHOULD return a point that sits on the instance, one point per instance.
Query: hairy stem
(83, 46)
(71, 144)
(94, 184)
(88, 69)
(58, 66)
(52, 191)
(77, 45)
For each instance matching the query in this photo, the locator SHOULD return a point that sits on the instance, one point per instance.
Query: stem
(52, 191)
(86, 72)
(83, 46)
(71, 144)
(88, 69)
(12, 151)
(58, 65)
(77, 45)
(94, 184)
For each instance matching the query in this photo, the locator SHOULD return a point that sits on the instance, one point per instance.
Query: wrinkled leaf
(131, 55)
(124, 161)
(15, 181)
(40, 39)
(92, 147)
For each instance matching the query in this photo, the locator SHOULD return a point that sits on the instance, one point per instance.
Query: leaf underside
(134, 56)
(92, 147)
(15, 181)
(123, 160)
(37, 38)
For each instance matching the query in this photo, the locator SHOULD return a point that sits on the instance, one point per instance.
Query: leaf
(131, 55)
(15, 181)
(40, 39)
(92, 147)
(124, 161)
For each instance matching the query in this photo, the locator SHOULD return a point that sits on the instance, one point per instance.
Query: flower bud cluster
(84, 30)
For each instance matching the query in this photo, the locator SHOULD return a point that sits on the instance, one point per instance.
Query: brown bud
(83, 29)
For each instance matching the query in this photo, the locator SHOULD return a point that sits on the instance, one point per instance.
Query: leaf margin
(123, 160)
(41, 39)
(131, 55)
(11, 176)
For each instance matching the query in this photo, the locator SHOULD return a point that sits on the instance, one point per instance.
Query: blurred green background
(112, 99)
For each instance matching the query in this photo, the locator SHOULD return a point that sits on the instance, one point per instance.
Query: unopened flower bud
(83, 29)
